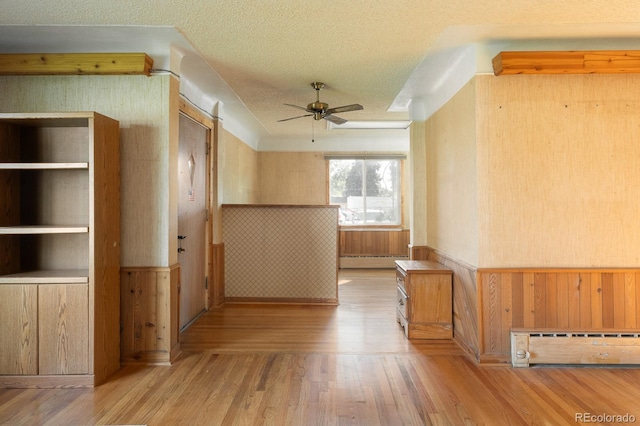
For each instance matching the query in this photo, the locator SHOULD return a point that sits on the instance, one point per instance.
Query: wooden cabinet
(424, 306)
(59, 249)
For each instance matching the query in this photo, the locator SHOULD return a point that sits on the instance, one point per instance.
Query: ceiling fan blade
(293, 118)
(299, 107)
(344, 108)
(334, 119)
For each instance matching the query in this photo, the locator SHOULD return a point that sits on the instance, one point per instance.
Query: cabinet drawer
(424, 299)
(400, 280)
(403, 303)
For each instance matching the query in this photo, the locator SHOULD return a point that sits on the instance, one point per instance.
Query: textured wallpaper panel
(284, 252)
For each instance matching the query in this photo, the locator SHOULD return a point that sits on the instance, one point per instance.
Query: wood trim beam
(75, 64)
(567, 62)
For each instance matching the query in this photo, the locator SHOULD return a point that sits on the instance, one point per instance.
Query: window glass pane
(382, 191)
(344, 182)
(368, 191)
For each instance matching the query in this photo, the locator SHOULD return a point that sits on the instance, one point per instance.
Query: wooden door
(192, 216)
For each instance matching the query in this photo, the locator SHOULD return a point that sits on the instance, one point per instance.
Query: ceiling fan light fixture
(320, 110)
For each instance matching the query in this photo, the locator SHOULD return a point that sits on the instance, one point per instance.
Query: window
(368, 190)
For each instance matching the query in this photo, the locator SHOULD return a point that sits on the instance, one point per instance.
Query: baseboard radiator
(370, 262)
(575, 347)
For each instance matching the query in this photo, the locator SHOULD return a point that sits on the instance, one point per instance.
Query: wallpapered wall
(452, 178)
(276, 252)
(140, 104)
(537, 171)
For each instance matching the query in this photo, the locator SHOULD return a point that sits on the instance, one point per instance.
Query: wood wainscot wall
(216, 272)
(372, 248)
(489, 303)
(150, 314)
(592, 300)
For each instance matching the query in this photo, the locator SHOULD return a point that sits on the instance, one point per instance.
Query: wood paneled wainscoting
(489, 303)
(605, 300)
(149, 314)
(216, 272)
(372, 248)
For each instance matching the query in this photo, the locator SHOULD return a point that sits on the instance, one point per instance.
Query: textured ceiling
(377, 53)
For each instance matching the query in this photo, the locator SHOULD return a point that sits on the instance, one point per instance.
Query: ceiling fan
(320, 110)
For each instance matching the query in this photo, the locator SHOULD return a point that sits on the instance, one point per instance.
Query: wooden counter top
(422, 266)
(284, 206)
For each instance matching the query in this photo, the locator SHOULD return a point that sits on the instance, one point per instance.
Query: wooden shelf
(71, 276)
(42, 166)
(43, 229)
(49, 119)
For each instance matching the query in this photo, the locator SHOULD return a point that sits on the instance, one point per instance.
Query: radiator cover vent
(574, 347)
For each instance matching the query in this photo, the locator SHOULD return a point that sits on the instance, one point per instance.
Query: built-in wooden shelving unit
(60, 249)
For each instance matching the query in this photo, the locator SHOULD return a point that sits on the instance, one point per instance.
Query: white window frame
(399, 188)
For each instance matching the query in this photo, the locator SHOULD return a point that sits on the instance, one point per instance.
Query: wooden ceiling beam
(75, 64)
(567, 62)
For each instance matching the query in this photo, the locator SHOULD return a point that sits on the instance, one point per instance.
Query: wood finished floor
(351, 365)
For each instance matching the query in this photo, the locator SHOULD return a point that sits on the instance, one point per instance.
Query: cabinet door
(18, 329)
(64, 328)
(432, 298)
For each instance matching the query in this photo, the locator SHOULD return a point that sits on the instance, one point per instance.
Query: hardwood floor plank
(307, 365)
